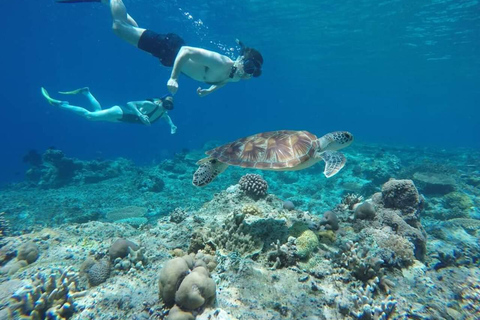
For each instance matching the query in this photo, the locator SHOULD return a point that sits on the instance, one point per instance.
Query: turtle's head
(335, 140)
(208, 170)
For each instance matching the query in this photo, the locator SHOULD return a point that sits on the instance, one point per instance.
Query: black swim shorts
(163, 46)
(130, 118)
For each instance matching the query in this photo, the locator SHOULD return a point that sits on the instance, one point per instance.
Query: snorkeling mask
(252, 67)
(167, 101)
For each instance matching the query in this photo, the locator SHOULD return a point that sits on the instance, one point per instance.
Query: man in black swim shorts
(199, 64)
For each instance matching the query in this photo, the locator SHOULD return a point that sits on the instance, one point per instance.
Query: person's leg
(86, 92)
(92, 100)
(124, 26)
(113, 114)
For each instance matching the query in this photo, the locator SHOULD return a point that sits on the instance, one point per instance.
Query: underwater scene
(240, 160)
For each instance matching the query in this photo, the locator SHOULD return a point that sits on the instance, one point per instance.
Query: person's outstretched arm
(203, 92)
(166, 117)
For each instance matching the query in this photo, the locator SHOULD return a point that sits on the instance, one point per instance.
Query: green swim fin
(53, 102)
(76, 91)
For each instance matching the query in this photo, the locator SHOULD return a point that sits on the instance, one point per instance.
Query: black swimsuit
(133, 118)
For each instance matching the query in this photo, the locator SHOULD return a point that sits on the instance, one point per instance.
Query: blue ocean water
(391, 72)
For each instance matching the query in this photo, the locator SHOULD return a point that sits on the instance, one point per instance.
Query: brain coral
(196, 290)
(171, 275)
(99, 272)
(28, 252)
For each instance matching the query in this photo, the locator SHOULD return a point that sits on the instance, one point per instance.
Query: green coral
(306, 244)
(252, 210)
(327, 236)
(458, 205)
(297, 229)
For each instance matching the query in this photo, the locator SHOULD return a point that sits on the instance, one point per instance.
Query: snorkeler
(143, 112)
(199, 64)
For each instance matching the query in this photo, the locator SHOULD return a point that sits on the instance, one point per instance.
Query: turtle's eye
(213, 161)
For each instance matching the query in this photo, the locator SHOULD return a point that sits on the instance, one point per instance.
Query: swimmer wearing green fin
(142, 112)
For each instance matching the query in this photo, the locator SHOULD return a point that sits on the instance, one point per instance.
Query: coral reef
(4, 226)
(151, 183)
(458, 205)
(55, 170)
(365, 258)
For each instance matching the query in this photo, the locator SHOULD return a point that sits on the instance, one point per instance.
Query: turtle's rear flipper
(334, 162)
(208, 170)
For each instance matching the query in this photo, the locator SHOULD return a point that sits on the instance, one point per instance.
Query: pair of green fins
(55, 102)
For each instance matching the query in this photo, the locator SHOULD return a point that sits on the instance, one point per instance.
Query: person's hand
(145, 120)
(172, 85)
(173, 129)
(202, 92)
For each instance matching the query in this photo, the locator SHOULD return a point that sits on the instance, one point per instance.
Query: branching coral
(364, 266)
(232, 238)
(367, 310)
(283, 255)
(49, 297)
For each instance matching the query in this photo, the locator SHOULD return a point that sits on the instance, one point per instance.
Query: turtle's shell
(268, 150)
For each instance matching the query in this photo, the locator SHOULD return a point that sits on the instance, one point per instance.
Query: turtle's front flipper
(334, 162)
(208, 170)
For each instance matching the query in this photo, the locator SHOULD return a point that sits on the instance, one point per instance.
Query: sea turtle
(283, 150)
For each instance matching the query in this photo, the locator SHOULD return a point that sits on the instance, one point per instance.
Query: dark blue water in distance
(391, 72)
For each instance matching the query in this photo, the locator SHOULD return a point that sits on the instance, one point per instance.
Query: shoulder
(139, 103)
(207, 53)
